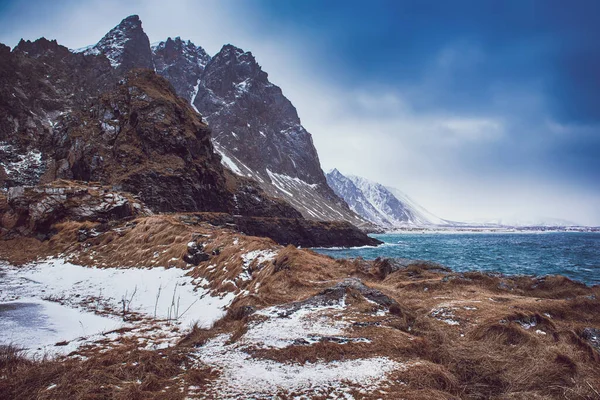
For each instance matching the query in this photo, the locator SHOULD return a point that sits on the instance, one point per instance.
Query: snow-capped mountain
(346, 189)
(126, 46)
(420, 214)
(256, 129)
(384, 206)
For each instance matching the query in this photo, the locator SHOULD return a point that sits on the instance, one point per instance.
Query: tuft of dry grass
(121, 373)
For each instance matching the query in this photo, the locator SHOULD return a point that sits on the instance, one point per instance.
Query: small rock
(592, 335)
(195, 254)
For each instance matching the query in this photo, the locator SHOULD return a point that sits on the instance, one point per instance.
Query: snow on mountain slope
(384, 206)
(355, 198)
(258, 133)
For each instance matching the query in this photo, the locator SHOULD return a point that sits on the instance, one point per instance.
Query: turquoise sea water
(573, 254)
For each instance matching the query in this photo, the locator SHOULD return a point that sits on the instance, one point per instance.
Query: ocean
(572, 254)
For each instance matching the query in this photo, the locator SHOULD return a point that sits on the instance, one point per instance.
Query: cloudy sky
(476, 109)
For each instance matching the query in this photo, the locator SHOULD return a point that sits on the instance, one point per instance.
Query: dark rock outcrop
(335, 294)
(195, 254)
(182, 64)
(385, 266)
(295, 231)
(592, 336)
(32, 211)
(306, 233)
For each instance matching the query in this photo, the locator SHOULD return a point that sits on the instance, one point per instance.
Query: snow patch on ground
(256, 257)
(248, 377)
(167, 299)
(445, 314)
(277, 327)
(38, 325)
(306, 325)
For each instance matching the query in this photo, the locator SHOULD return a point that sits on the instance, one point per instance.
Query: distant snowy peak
(346, 189)
(422, 216)
(126, 46)
(386, 207)
(384, 201)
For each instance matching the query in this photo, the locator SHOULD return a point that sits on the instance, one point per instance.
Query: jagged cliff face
(40, 83)
(182, 64)
(252, 119)
(143, 138)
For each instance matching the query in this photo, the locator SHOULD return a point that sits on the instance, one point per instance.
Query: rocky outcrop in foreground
(36, 211)
(296, 231)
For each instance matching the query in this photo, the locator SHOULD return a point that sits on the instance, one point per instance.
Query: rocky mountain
(126, 46)
(255, 127)
(384, 206)
(182, 64)
(71, 116)
(258, 133)
(74, 116)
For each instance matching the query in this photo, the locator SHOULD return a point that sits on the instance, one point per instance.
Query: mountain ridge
(256, 129)
(73, 116)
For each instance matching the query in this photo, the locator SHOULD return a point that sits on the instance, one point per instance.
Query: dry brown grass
(489, 355)
(121, 373)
